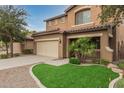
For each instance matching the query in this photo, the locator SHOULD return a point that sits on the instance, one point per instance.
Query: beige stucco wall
(28, 45)
(16, 47)
(106, 52)
(120, 37)
(59, 24)
(120, 32)
(70, 18)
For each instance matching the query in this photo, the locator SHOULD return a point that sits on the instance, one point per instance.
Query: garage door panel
(48, 48)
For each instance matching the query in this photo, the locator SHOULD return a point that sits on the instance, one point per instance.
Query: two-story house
(78, 21)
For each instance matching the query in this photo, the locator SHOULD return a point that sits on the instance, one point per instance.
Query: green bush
(3, 56)
(121, 61)
(74, 60)
(17, 54)
(104, 62)
(96, 61)
(100, 61)
(28, 51)
(121, 65)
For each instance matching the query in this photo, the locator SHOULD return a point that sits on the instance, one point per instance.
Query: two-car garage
(48, 48)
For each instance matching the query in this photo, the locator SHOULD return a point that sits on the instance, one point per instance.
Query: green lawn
(73, 76)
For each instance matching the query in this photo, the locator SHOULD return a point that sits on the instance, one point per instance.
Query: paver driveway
(21, 61)
(14, 72)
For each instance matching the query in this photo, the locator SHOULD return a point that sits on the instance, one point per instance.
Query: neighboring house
(79, 21)
(28, 43)
(18, 48)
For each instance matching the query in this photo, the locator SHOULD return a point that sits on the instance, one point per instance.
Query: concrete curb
(112, 83)
(35, 78)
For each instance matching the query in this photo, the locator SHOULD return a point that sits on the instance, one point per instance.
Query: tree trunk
(11, 46)
(7, 53)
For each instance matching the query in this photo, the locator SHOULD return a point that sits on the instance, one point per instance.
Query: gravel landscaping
(18, 77)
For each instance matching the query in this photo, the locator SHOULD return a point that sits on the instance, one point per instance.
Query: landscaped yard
(74, 76)
(119, 84)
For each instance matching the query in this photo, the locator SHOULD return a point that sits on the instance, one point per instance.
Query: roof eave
(55, 17)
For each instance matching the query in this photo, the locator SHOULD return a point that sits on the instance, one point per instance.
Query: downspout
(114, 41)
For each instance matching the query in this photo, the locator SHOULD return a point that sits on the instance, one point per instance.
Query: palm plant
(82, 48)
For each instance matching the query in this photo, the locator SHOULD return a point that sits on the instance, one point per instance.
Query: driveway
(22, 60)
(14, 72)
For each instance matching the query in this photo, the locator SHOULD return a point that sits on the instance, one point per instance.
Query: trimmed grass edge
(113, 82)
(35, 78)
(39, 83)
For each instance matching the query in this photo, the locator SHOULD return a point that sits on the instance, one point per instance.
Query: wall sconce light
(60, 41)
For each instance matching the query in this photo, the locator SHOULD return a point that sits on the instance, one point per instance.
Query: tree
(5, 40)
(12, 23)
(112, 13)
(82, 48)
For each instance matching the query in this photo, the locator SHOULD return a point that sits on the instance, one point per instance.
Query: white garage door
(47, 48)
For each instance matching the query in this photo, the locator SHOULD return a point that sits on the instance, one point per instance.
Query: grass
(120, 84)
(74, 76)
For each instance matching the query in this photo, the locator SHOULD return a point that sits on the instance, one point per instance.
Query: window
(62, 20)
(83, 17)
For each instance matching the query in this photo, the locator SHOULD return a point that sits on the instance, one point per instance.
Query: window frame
(83, 10)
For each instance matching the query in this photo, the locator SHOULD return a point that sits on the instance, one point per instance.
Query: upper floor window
(83, 17)
(62, 20)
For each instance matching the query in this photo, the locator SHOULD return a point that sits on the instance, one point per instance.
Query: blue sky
(38, 13)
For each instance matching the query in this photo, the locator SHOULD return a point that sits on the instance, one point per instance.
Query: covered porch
(101, 37)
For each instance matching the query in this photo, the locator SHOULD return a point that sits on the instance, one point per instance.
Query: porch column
(67, 46)
(105, 51)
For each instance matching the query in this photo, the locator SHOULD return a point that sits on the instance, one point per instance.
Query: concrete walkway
(22, 60)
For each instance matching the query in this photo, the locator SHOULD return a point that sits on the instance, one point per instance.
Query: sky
(38, 13)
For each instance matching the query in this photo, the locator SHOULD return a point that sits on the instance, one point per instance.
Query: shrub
(96, 61)
(121, 65)
(100, 61)
(28, 51)
(104, 62)
(121, 61)
(3, 56)
(74, 60)
(17, 54)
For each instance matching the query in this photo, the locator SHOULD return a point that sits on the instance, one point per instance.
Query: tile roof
(94, 28)
(61, 15)
(69, 8)
(55, 17)
(55, 31)
(73, 30)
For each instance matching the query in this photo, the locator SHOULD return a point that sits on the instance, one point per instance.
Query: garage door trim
(51, 39)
